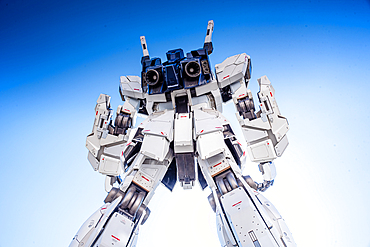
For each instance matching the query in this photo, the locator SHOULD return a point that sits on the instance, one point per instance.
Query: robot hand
(265, 185)
(122, 123)
(106, 141)
(245, 107)
(268, 170)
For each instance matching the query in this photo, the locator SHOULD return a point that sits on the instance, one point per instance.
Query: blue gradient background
(57, 57)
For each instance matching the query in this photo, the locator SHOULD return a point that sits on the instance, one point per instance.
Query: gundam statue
(186, 139)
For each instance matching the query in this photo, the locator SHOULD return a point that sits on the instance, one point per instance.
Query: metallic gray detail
(228, 187)
(129, 194)
(122, 123)
(221, 185)
(232, 181)
(205, 67)
(113, 194)
(232, 144)
(139, 212)
(282, 240)
(152, 77)
(132, 201)
(260, 167)
(265, 185)
(212, 202)
(192, 69)
(250, 182)
(212, 100)
(147, 213)
(138, 202)
(226, 182)
(245, 107)
(227, 131)
(132, 204)
(253, 236)
(170, 178)
(185, 167)
(201, 179)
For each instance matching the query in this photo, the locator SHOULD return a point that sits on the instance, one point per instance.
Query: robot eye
(152, 77)
(192, 69)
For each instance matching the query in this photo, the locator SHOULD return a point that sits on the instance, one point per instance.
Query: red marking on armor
(103, 208)
(162, 133)
(105, 122)
(183, 116)
(103, 159)
(226, 77)
(116, 238)
(271, 94)
(241, 95)
(261, 104)
(217, 164)
(146, 130)
(127, 145)
(136, 89)
(239, 144)
(268, 143)
(122, 153)
(127, 110)
(243, 153)
(96, 113)
(201, 131)
(218, 127)
(145, 178)
(237, 203)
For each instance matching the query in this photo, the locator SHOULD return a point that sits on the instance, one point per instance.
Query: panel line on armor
(269, 226)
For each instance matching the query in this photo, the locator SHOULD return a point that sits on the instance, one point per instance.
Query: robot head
(178, 71)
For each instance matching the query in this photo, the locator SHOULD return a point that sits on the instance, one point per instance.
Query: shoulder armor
(131, 86)
(232, 69)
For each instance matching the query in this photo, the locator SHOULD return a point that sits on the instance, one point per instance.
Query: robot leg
(245, 217)
(116, 222)
(146, 159)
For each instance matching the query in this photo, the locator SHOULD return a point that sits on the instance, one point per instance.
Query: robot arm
(107, 141)
(265, 130)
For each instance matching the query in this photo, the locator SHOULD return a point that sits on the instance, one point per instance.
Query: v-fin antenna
(208, 40)
(144, 46)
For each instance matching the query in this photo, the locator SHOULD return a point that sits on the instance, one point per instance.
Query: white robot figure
(185, 138)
